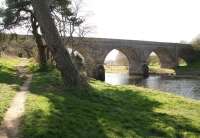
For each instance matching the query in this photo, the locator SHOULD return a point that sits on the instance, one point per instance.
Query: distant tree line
(196, 43)
(14, 45)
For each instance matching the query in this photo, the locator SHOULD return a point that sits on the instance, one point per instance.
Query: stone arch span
(120, 50)
(167, 60)
(134, 58)
(94, 51)
(112, 59)
(189, 55)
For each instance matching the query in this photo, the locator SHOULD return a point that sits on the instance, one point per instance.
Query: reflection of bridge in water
(95, 50)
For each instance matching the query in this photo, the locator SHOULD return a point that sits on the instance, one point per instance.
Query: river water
(186, 87)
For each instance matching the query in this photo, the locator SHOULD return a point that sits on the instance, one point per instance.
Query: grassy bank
(156, 69)
(105, 111)
(116, 69)
(9, 82)
(192, 66)
(192, 69)
(153, 69)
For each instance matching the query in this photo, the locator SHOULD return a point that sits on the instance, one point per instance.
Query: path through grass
(9, 82)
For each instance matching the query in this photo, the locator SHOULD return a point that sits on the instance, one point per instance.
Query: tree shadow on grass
(96, 112)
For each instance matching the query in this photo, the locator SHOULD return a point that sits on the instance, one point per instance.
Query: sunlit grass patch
(9, 82)
(116, 69)
(7, 92)
(106, 111)
(191, 66)
(156, 69)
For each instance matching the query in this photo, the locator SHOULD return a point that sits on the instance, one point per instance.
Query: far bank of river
(183, 86)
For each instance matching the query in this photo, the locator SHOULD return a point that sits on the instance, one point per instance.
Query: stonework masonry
(95, 50)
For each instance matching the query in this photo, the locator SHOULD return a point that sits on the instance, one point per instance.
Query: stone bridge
(95, 50)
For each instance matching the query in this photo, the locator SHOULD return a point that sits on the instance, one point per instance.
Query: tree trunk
(40, 45)
(28, 53)
(42, 57)
(70, 74)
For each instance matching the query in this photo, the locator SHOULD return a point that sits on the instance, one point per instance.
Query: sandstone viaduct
(95, 50)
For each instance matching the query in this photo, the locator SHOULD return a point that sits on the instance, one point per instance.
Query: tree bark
(42, 57)
(40, 45)
(70, 74)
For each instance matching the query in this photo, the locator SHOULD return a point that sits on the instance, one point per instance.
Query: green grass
(154, 66)
(191, 69)
(9, 82)
(156, 69)
(105, 111)
(115, 69)
(192, 66)
(153, 69)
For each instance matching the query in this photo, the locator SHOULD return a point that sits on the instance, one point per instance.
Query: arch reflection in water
(179, 86)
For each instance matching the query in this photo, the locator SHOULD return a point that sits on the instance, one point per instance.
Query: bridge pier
(136, 69)
(96, 71)
(95, 68)
(99, 72)
(136, 61)
(169, 65)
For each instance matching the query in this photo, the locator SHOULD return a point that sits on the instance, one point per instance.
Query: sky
(152, 20)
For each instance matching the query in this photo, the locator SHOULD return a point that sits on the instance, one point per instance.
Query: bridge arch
(183, 58)
(182, 62)
(117, 50)
(117, 61)
(153, 60)
(167, 60)
(189, 55)
(134, 58)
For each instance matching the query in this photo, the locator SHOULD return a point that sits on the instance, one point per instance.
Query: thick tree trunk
(40, 45)
(28, 53)
(49, 56)
(70, 75)
(42, 57)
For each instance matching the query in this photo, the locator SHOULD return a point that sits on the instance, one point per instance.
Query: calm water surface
(180, 86)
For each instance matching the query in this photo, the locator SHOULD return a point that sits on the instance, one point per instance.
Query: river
(186, 87)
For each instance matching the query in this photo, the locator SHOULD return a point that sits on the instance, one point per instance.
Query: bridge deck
(106, 41)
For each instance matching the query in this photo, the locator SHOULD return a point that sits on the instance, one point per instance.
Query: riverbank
(156, 70)
(116, 69)
(153, 69)
(192, 69)
(106, 111)
(103, 110)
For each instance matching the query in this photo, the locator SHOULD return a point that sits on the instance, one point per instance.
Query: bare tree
(3, 44)
(196, 43)
(72, 28)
